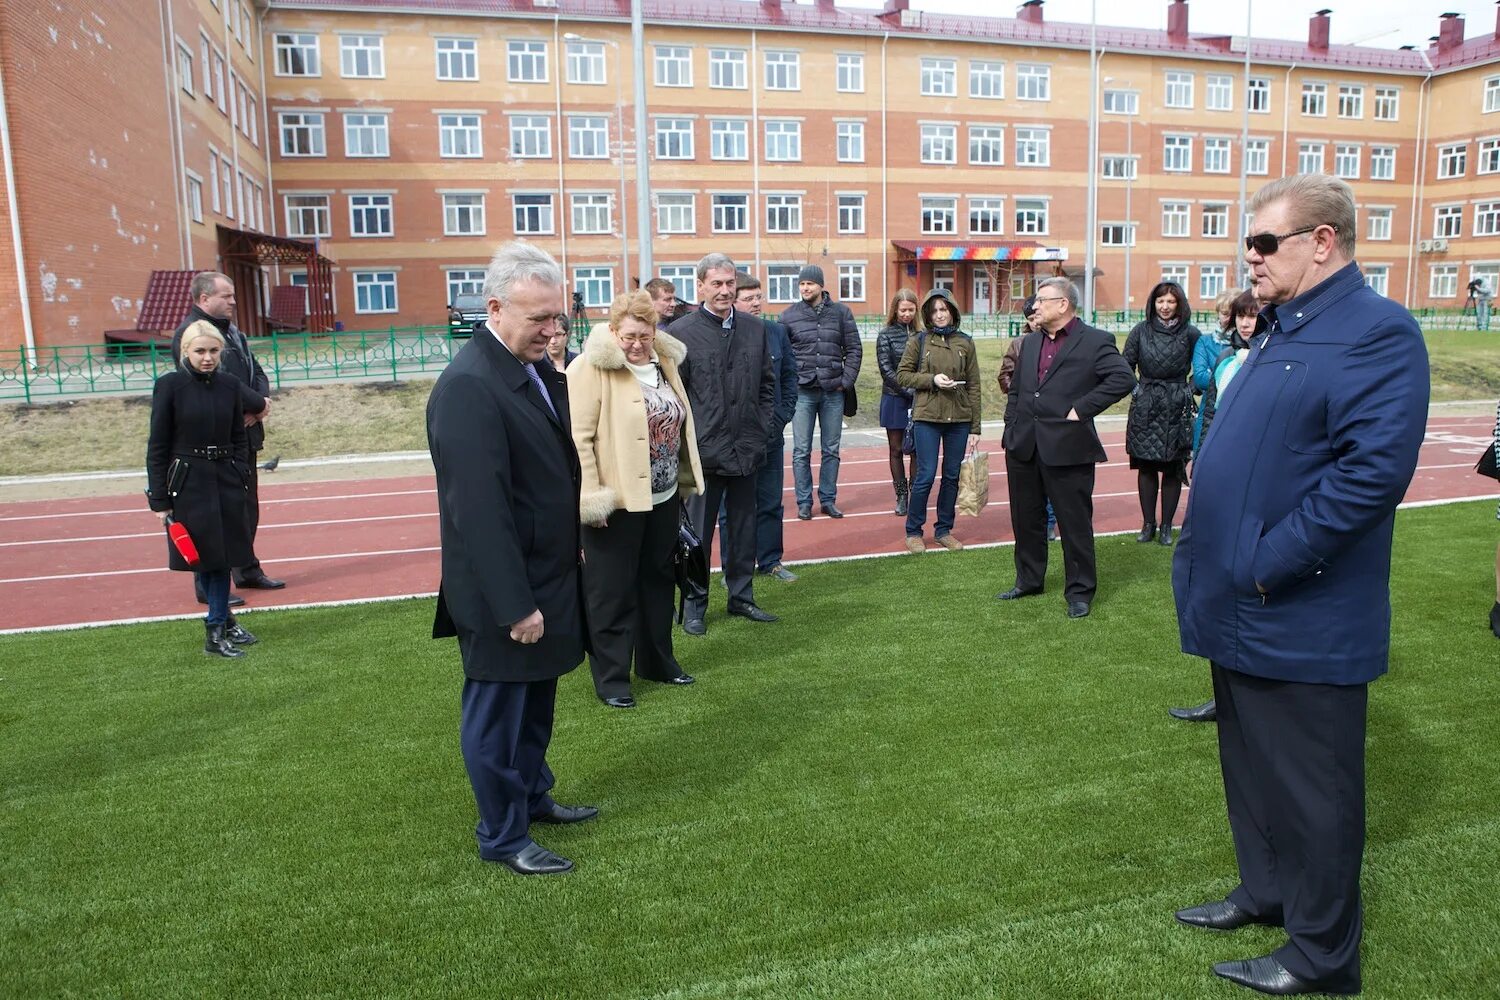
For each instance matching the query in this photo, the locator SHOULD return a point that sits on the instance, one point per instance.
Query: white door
(981, 295)
(944, 278)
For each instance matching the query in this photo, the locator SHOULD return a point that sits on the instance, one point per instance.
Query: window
(1219, 92)
(296, 55)
(1033, 82)
(986, 216)
(1448, 221)
(1492, 94)
(526, 62)
(227, 186)
(730, 213)
(588, 137)
(1487, 273)
(1387, 103)
(463, 215)
(674, 138)
(1453, 160)
(674, 66)
(783, 213)
(1174, 218)
(986, 145)
(783, 141)
(195, 197)
(1258, 94)
(459, 135)
(851, 142)
(465, 281)
(370, 215)
(1488, 161)
(1216, 156)
(1309, 157)
(783, 70)
(1175, 272)
(591, 214)
(213, 179)
(374, 291)
(1177, 153)
(1117, 234)
(1033, 147)
(366, 134)
(1179, 89)
(986, 79)
(208, 77)
(1444, 281)
(457, 58)
(1031, 217)
(531, 136)
(1258, 156)
(726, 69)
(533, 214)
(851, 213)
(1379, 222)
(221, 93)
(1215, 221)
(595, 284)
(851, 73)
(1211, 279)
(728, 139)
(939, 143)
(1351, 101)
(675, 214)
(781, 282)
(1118, 168)
(252, 118)
(1382, 163)
(1346, 161)
(1376, 277)
(684, 279)
(939, 215)
(1122, 102)
(852, 282)
(1315, 99)
(301, 133)
(185, 68)
(586, 62)
(939, 77)
(361, 56)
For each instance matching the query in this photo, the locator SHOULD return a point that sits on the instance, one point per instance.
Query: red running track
(103, 559)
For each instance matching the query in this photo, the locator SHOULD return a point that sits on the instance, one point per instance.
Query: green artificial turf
(902, 790)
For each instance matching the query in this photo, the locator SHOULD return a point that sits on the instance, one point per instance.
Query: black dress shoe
(695, 626)
(1078, 609)
(235, 600)
(752, 612)
(1495, 619)
(1164, 536)
(1268, 976)
(680, 679)
(804, 513)
(536, 860)
(624, 701)
(832, 511)
(566, 814)
(261, 582)
(1219, 915)
(1206, 712)
(1016, 593)
(1148, 532)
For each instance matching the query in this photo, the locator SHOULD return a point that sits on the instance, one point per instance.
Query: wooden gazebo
(243, 254)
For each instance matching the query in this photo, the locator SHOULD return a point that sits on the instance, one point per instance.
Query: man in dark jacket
(769, 484)
(1282, 577)
(730, 386)
(1067, 374)
(508, 481)
(213, 300)
(826, 342)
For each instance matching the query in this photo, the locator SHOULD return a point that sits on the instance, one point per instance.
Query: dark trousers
(628, 583)
(1071, 490)
(1293, 757)
(737, 494)
(251, 570)
(214, 586)
(504, 732)
(769, 507)
(953, 438)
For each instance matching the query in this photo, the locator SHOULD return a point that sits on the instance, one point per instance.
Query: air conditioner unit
(1440, 246)
(1424, 246)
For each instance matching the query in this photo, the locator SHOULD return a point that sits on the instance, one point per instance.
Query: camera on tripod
(1476, 286)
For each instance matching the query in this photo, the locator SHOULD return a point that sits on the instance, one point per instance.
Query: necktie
(541, 388)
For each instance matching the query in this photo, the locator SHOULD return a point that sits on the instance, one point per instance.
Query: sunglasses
(1266, 244)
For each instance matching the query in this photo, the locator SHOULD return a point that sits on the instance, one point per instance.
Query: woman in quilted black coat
(1159, 433)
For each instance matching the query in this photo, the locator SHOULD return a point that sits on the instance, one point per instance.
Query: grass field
(904, 789)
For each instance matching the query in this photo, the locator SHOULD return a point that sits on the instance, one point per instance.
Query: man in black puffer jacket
(825, 340)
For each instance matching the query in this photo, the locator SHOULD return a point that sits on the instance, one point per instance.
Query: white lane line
(263, 527)
(264, 503)
(277, 559)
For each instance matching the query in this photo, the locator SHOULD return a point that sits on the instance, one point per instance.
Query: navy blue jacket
(784, 371)
(1296, 486)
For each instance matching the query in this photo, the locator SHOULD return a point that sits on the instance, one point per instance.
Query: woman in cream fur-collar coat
(639, 456)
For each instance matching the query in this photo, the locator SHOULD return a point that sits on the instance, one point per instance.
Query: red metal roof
(167, 300)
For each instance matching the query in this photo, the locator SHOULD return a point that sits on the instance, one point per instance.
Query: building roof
(929, 249)
(842, 20)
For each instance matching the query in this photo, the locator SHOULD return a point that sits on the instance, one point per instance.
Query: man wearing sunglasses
(1282, 577)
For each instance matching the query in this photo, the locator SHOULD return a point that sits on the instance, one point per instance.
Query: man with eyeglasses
(1282, 577)
(1067, 373)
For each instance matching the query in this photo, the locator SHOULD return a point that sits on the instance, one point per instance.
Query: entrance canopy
(972, 250)
(244, 254)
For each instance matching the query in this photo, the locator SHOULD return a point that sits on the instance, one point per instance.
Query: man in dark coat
(1067, 374)
(826, 342)
(507, 486)
(213, 300)
(727, 374)
(770, 482)
(1282, 577)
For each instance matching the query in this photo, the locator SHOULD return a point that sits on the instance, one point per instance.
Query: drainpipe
(1286, 113)
(885, 241)
(756, 212)
(643, 253)
(174, 92)
(1241, 273)
(15, 228)
(1424, 122)
(1091, 206)
(562, 217)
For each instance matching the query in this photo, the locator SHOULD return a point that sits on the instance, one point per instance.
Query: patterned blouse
(665, 416)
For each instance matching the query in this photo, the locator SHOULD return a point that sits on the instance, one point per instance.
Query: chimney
(1317, 31)
(1177, 20)
(826, 6)
(770, 4)
(1497, 22)
(1030, 12)
(1450, 32)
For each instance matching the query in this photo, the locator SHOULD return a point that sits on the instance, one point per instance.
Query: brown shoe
(914, 545)
(950, 543)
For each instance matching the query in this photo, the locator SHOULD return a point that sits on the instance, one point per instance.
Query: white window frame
(1442, 281)
(1491, 100)
(591, 213)
(1177, 154)
(1117, 234)
(989, 212)
(1346, 157)
(1351, 100)
(1033, 82)
(939, 142)
(1382, 163)
(851, 280)
(368, 207)
(1314, 99)
(460, 135)
(939, 214)
(1218, 154)
(1258, 156)
(1214, 221)
(782, 140)
(526, 61)
(373, 279)
(849, 73)
(1311, 157)
(851, 213)
(676, 213)
(545, 213)
(781, 283)
(1378, 222)
(460, 207)
(194, 185)
(287, 44)
(1447, 221)
(1033, 146)
(586, 64)
(790, 206)
(1175, 272)
(1377, 278)
(1176, 219)
(986, 145)
(455, 59)
(588, 137)
(1387, 104)
(308, 123)
(362, 57)
(1032, 215)
(1212, 280)
(1487, 161)
(524, 131)
(360, 126)
(463, 281)
(684, 279)
(672, 65)
(672, 138)
(728, 69)
(783, 69)
(938, 76)
(185, 68)
(1258, 93)
(849, 143)
(1452, 160)
(724, 132)
(987, 79)
(1179, 89)
(1121, 102)
(723, 204)
(1218, 92)
(1119, 167)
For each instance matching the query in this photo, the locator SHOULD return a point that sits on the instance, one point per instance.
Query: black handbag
(689, 563)
(1486, 466)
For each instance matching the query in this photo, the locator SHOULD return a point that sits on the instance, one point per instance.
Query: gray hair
(203, 284)
(519, 261)
(1063, 285)
(714, 262)
(1313, 200)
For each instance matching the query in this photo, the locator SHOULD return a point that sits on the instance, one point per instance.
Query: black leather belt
(213, 453)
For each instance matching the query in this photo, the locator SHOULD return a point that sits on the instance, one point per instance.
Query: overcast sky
(1385, 24)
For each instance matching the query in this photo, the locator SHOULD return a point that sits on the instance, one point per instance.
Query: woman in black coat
(895, 402)
(197, 419)
(1159, 432)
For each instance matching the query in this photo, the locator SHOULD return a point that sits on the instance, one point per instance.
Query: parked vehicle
(466, 312)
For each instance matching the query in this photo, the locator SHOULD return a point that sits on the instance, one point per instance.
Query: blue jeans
(216, 588)
(827, 408)
(953, 438)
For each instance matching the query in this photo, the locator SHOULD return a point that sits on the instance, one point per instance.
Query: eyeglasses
(1266, 244)
(1050, 298)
